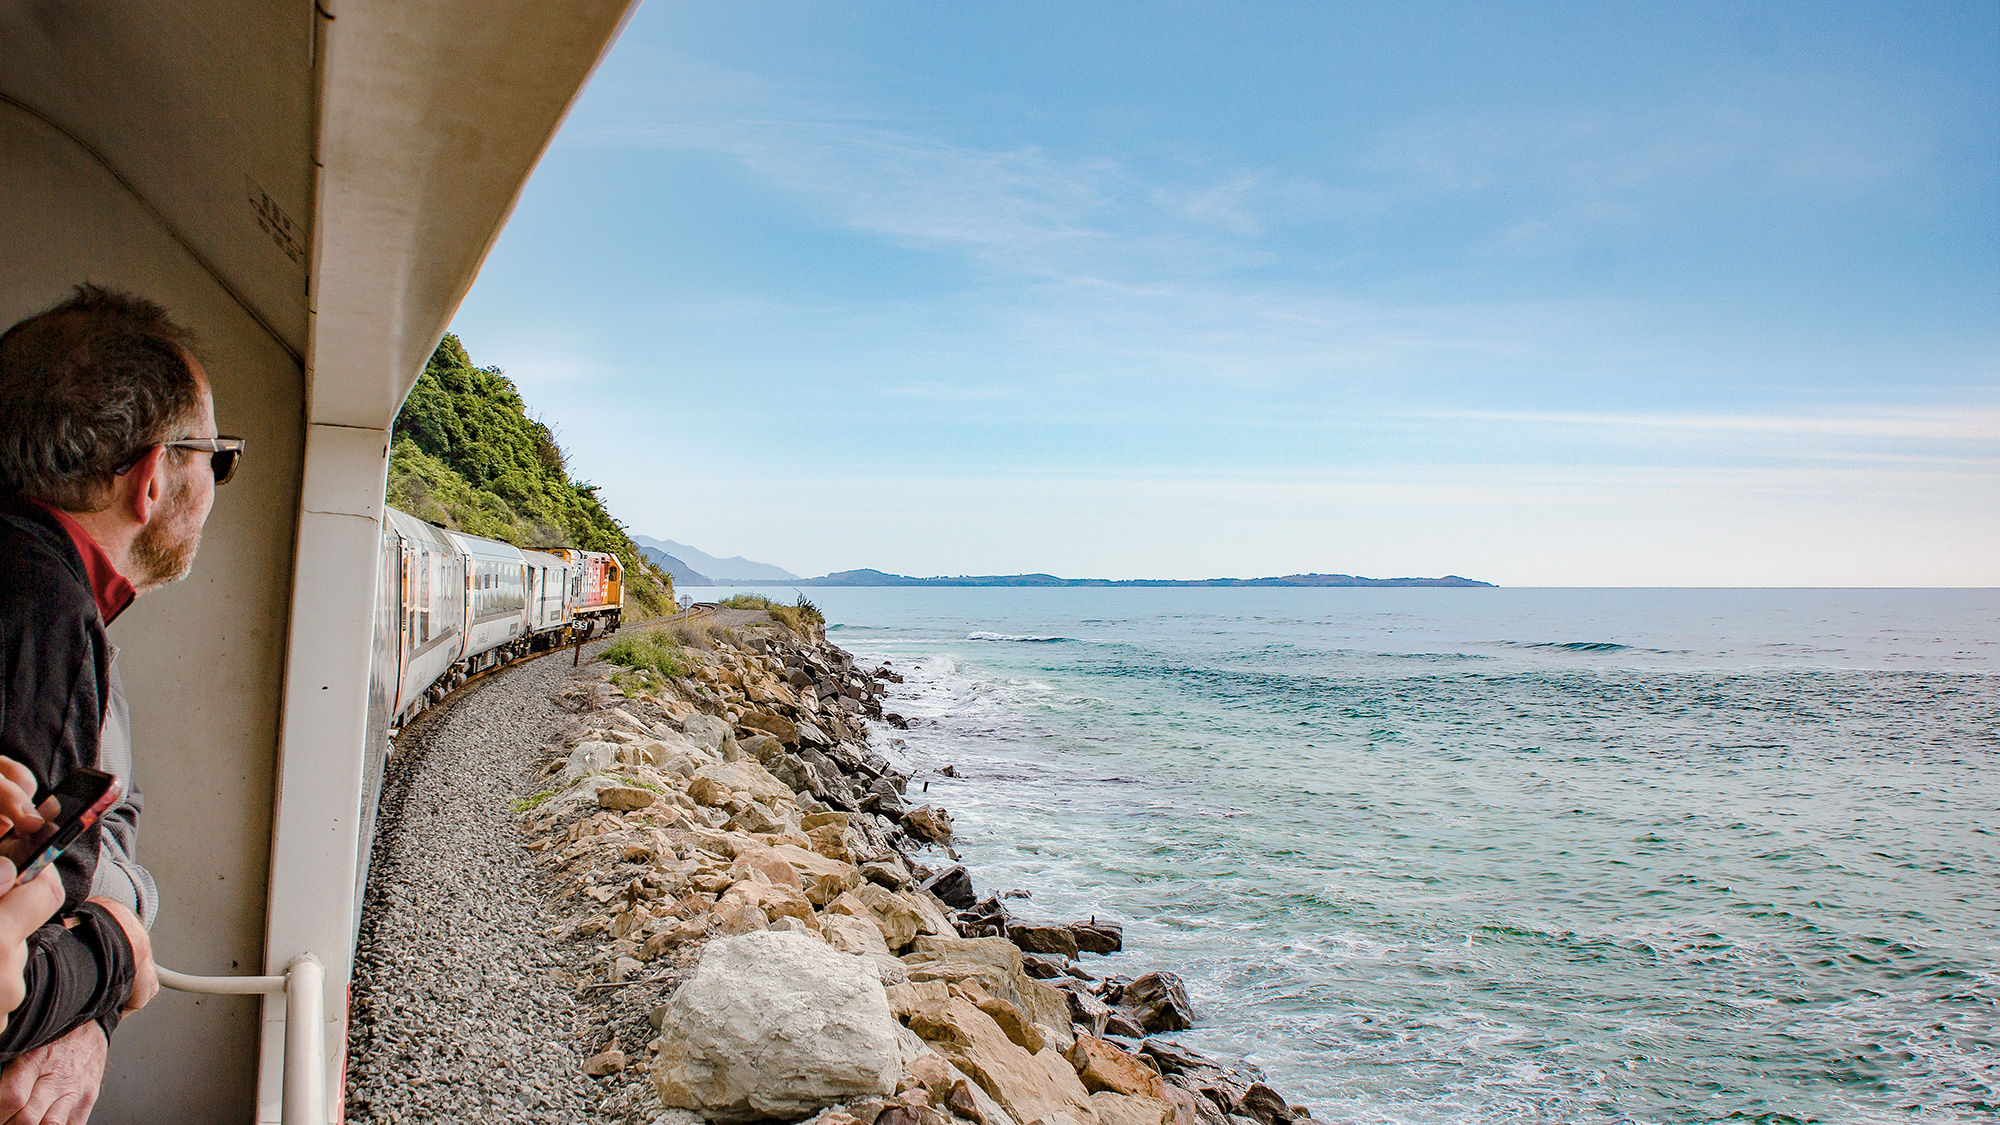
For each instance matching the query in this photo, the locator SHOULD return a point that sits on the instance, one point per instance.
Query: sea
(1497, 855)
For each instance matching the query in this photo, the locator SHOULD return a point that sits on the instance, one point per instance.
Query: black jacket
(55, 666)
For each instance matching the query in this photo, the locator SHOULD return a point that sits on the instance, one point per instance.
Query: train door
(406, 633)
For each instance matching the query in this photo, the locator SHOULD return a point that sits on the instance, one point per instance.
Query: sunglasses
(224, 453)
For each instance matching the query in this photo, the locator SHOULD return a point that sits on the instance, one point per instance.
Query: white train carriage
(496, 602)
(430, 622)
(548, 599)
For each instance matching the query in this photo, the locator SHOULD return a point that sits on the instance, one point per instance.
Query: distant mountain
(878, 578)
(683, 574)
(725, 572)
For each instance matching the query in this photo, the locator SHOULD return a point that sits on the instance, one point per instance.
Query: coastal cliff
(777, 930)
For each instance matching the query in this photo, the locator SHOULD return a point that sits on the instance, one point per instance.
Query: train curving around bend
(451, 605)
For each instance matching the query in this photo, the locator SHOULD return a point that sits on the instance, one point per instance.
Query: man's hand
(56, 1084)
(145, 978)
(17, 800)
(23, 909)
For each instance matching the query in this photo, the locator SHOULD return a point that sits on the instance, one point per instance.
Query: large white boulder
(775, 1024)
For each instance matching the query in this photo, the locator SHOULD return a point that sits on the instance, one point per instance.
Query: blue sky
(1670, 295)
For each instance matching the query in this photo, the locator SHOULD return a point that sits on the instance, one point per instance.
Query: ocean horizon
(1438, 855)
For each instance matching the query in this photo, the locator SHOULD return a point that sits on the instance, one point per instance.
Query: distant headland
(675, 559)
(878, 578)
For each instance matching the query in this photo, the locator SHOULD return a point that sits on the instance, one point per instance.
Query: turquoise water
(1501, 855)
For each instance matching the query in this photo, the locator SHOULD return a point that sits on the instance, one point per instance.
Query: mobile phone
(83, 797)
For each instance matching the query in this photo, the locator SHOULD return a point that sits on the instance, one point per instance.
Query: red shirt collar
(112, 591)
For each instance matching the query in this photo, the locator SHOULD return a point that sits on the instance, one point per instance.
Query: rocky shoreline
(772, 929)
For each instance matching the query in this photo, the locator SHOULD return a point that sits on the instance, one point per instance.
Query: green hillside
(467, 456)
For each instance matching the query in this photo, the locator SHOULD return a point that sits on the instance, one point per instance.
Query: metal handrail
(304, 987)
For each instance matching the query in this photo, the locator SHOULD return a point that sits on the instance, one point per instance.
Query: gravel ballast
(463, 1006)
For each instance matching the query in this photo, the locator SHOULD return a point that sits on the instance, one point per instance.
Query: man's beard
(164, 550)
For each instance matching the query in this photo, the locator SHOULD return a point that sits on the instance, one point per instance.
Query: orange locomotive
(596, 589)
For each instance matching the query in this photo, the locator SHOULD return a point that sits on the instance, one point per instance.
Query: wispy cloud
(1962, 424)
(1767, 135)
(1023, 210)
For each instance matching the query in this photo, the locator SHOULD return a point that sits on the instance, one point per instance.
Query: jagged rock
(604, 1062)
(1097, 936)
(935, 920)
(1118, 1023)
(672, 936)
(953, 887)
(1041, 968)
(814, 820)
(736, 917)
(705, 731)
(587, 758)
(765, 749)
(708, 791)
(994, 964)
(850, 934)
(1173, 1059)
(1103, 1065)
(747, 778)
(1130, 1109)
(625, 797)
(811, 735)
(888, 873)
(1034, 937)
(898, 920)
(824, 773)
(909, 996)
(1019, 1029)
(1263, 1104)
(998, 952)
(1029, 1087)
(1191, 1108)
(772, 723)
(883, 798)
(959, 1100)
(772, 864)
(928, 822)
(830, 840)
(774, 900)
(822, 877)
(756, 819)
(775, 1025)
(667, 745)
(1158, 1002)
(1085, 1010)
